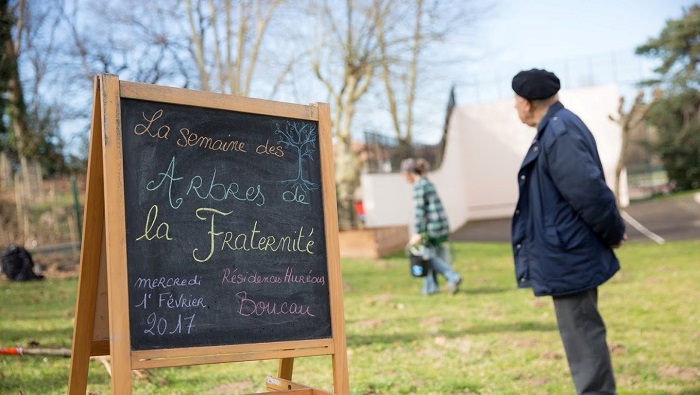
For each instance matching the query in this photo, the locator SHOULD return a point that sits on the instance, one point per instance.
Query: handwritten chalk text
(199, 188)
(252, 240)
(167, 282)
(190, 139)
(290, 277)
(250, 307)
(233, 277)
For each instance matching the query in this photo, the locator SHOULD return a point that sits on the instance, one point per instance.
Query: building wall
(485, 146)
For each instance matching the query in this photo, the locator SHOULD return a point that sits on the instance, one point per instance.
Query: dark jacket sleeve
(577, 174)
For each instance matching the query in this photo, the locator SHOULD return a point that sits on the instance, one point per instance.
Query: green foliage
(678, 48)
(676, 114)
(679, 137)
(490, 338)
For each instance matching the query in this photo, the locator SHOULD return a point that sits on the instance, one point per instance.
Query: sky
(585, 42)
(526, 31)
(582, 41)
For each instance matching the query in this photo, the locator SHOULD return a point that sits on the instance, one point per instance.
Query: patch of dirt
(370, 324)
(524, 343)
(432, 320)
(382, 299)
(59, 267)
(552, 355)
(616, 348)
(540, 303)
(533, 381)
(679, 372)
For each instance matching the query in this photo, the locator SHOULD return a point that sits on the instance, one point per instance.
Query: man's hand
(618, 245)
(415, 239)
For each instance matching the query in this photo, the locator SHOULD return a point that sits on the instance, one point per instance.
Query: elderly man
(565, 226)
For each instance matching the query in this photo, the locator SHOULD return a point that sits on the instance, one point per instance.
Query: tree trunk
(16, 105)
(347, 178)
(5, 171)
(628, 122)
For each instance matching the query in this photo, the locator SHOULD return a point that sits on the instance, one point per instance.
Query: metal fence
(624, 69)
(381, 153)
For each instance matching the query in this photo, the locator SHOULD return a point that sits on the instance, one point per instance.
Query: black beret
(535, 84)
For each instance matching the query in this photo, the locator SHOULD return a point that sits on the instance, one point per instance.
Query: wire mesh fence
(625, 69)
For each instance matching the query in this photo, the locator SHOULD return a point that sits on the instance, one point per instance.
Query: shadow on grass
(467, 289)
(365, 339)
(483, 291)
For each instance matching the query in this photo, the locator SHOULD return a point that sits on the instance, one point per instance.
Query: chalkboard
(210, 235)
(224, 227)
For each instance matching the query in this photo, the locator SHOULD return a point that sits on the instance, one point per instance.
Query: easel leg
(93, 227)
(285, 368)
(82, 335)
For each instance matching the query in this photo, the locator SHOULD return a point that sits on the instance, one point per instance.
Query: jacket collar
(553, 109)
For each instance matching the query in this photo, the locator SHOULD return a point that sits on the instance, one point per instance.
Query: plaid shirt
(431, 219)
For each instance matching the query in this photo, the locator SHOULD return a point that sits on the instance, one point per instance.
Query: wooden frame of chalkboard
(210, 234)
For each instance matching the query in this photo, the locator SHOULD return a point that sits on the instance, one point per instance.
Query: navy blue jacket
(566, 218)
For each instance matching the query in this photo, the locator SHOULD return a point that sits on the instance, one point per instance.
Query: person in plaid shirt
(431, 228)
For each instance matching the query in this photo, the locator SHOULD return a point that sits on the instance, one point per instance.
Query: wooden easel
(102, 308)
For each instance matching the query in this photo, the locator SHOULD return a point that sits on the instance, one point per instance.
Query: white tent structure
(485, 146)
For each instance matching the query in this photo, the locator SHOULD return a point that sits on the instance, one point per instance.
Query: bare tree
(352, 39)
(199, 44)
(226, 39)
(139, 41)
(411, 28)
(629, 121)
(17, 108)
(213, 45)
(40, 50)
(402, 130)
(367, 38)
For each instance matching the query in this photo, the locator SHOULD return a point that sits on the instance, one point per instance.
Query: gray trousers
(583, 333)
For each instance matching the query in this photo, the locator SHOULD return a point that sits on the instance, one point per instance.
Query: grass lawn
(491, 338)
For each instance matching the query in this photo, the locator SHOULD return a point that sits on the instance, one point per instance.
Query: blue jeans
(439, 263)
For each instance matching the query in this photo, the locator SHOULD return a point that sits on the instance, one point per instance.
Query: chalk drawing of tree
(300, 136)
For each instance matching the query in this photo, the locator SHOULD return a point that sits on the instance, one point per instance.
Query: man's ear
(529, 105)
